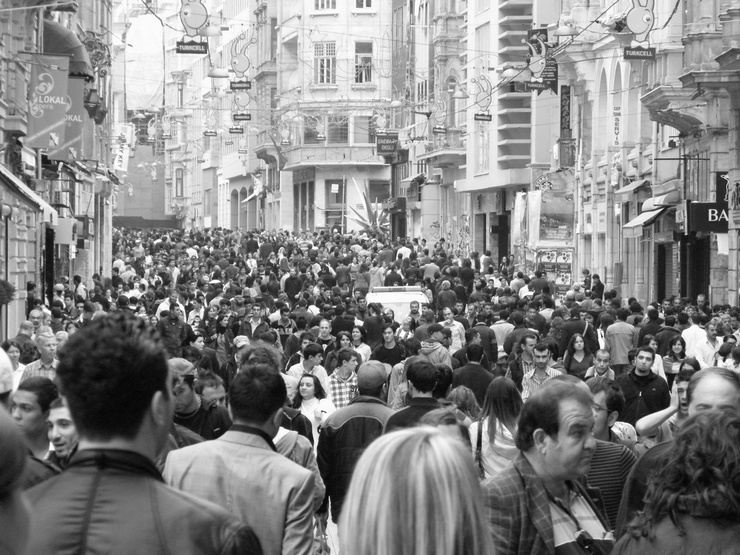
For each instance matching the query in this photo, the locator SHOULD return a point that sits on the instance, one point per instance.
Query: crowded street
(369, 277)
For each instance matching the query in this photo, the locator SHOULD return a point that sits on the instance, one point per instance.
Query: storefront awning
(632, 187)
(50, 215)
(634, 227)
(60, 40)
(662, 201)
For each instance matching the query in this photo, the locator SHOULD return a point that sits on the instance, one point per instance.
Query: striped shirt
(531, 382)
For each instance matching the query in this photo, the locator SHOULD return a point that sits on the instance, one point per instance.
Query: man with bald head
(709, 389)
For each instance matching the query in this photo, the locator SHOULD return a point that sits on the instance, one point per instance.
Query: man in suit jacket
(536, 505)
(473, 374)
(242, 471)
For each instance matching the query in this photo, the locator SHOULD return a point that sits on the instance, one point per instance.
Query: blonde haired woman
(436, 509)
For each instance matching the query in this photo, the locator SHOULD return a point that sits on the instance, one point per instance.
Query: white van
(398, 299)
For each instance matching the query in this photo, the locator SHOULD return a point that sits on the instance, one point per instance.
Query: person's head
(313, 354)
(30, 406)
(13, 350)
(117, 361)
(577, 344)
(677, 347)
(47, 344)
(347, 359)
(474, 352)
(445, 420)
(541, 353)
(713, 389)
(527, 343)
(701, 467)
(358, 335)
(212, 389)
(14, 508)
(61, 429)
(464, 399)
(608, 404)
(422, 376)
(601, 361)
(309, 387)
(555, 429)
(435, 510)
(257, 395)
(502, 403)
(372, 379)
(644, 357)
(36, 317)
(682, 380)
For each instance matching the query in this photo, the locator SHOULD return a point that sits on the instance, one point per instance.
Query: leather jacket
(113, 501)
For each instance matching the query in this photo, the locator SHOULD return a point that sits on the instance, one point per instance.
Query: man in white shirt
(706, 350)
(458, 330)
(694, 334)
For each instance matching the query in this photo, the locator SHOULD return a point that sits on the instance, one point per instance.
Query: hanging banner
(47, 107)
(123, 138)
(70, 150)
(541, 63)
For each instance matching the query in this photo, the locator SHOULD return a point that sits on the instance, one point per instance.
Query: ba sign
(708, 216)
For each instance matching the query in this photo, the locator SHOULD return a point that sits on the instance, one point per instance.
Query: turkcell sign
(709, 216)
(210, 133)
(236, 130)
(182, 47)
(639, 53)
(482, 117)
(241, 116)
(240, 85)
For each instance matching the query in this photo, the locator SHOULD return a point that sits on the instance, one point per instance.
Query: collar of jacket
(118, 459)
(366, 399)
(254, 431)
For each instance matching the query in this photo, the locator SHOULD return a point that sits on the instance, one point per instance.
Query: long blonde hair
(414, 492)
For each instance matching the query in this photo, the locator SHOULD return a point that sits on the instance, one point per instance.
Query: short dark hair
(256, 393)
(312, 349)
(43, 388)
(614, 396)
(542, 410)
(423, 375)
(119, 359)
(474, 352)
(646, 349)
(345, 355)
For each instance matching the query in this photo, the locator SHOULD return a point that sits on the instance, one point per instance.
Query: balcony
(309, 156)
(446, 150)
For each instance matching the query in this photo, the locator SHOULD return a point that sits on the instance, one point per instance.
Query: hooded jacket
(435, 352)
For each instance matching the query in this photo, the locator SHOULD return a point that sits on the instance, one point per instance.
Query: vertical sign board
(70, 150)
(47, 106)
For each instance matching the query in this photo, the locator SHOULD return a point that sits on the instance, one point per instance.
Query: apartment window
(483, 46)
(363, 4)
(179, 182)
(335, 194)
(325, 62)
(325, 4)
(338, 130)
(364, 130)
(363, 62)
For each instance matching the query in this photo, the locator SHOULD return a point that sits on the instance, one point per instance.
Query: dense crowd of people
(227, 392)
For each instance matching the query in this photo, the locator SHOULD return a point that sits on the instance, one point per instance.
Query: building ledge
(673, 106)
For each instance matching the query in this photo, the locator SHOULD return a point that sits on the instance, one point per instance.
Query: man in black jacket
(111, 498)
(348, 431)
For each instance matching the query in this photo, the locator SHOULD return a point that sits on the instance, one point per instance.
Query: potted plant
(7, 292)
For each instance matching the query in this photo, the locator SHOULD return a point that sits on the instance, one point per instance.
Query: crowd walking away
(219, 391)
